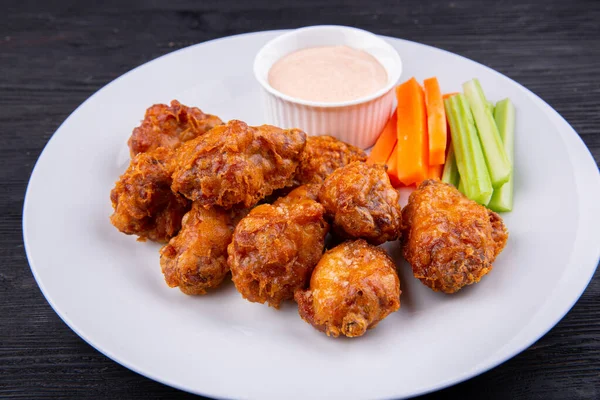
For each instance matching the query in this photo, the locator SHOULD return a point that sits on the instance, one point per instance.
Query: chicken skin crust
(362, 203)
(309, 191)
(449, 240)
(170, 126)
(323, 155)
(237, 164)
(353, 287)
(275, 248)
(196, 259)
(142, 199)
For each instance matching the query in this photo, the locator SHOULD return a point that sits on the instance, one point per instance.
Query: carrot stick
(436, 121)
(412, 145)
(435, 171)
(392, 164)
(444, 97)
(448, 136)
(385, 143)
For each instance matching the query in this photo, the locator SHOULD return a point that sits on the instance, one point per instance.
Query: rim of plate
(583, 165)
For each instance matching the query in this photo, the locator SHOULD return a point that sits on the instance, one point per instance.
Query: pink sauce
(328, 74)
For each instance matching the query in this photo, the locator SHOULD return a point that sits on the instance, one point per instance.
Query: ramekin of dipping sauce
(333, 80)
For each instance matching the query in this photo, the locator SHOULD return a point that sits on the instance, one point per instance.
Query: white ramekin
(357, 122)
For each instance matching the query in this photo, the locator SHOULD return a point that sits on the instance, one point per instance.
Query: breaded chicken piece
(309, 191)
(142, 199)
(353, 287)
(449, 240)
(323, 155)
(237, 164)
(170, 126)
(196, 259)
(362, 203)
(275, 248)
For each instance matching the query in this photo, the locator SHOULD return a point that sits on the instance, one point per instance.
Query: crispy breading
(237, 164)
(142, 199)
(323, 155)
(170, 126)
(362, 203)
(353, 287)
(309, 191)
(275, 248)
(196, 259)
(449, 240)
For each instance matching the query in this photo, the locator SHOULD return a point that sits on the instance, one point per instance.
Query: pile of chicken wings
(292, 217)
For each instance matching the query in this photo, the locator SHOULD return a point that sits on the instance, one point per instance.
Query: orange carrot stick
(448, 136)
(435, 171)
(392, 164)
(436, 121)
(444, 97)
(412, 146)
(385, 143)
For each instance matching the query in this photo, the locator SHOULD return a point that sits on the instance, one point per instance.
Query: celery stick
(467, 148)
(495, 156)
(461, 187)
(450, 174)
(502, 199)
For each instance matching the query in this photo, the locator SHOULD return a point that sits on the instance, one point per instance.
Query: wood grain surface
(55, 54)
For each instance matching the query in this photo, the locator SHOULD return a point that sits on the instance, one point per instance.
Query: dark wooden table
(53, 56)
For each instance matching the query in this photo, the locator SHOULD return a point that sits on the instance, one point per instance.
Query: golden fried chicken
(169, 126)
(308, 191)
(449, 240)
(237, 164)
(196, 259)
(353, 287)
(323, 155)
(275, 248)
(142, 199)
(362, 203)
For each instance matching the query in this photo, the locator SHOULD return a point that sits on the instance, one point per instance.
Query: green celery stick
(497, 161)
(450, 174)
(461, 187)
(502, 199)
(469, 156)
(490, 106)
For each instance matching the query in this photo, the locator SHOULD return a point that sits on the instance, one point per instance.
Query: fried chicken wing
(169, 126)
(362, 203)
(353, 287)
(196, 259)
(309, 191)
(323, 155)
(236, 163)
(142, 199)
(449, 240)
(275, 248)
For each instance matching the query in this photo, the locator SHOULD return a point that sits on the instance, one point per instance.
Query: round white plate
(109, 289)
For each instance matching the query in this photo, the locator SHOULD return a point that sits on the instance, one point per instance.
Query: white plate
(109, 289)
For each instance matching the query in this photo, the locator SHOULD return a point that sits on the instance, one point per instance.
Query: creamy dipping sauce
(328, 74)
